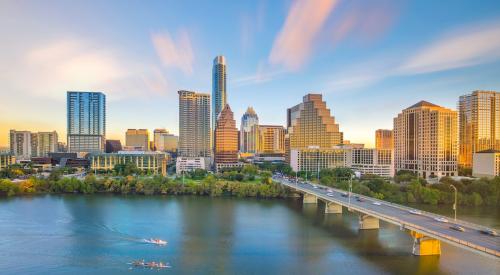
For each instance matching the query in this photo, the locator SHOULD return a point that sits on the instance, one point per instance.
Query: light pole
(455, 204)
(350, 189)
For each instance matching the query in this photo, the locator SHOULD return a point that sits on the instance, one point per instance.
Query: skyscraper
(384, 139)
(226, 138)
(138, 138)
(46, 142)
(25, 144)
(86, 114)
(271, 139)
(219, 96)
(426, 141)
(194, 124)
(479, 124)
(20, 144)
(249, 132)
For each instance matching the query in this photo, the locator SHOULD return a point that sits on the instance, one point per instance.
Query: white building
(486, 164)
(187, 164)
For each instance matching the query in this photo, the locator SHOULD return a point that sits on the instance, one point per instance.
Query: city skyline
(340, 57)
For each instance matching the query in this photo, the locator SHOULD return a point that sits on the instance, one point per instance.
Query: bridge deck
(399, 215)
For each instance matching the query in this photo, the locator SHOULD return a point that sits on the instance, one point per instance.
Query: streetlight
(350, 189)
(455, 204)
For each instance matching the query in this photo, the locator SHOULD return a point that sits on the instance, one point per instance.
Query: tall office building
(194, 124)
(249, 132)
(137, 138)
(271, 139)
(20, 144)
(46, 142)
(164, 141)
(219, 92)
(384, 139)
(426, 140)
(479, 124)
(86, 121)
(226, 138)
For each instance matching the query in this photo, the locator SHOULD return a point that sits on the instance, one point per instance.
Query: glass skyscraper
(86, 121)
(219, 99)
(249, 132)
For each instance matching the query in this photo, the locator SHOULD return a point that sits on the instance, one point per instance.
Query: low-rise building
(313, 160)
(6, 159)
(371, 161)
(154, 162)
(486, 164)
(187, 164)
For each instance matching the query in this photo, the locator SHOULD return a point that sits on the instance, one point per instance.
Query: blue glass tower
(219, 99)
(86, 114)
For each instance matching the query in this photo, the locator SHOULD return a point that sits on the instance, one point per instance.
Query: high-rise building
(384, 139)
(479, 124)
(249, 132)
(310, 124)
(6, 159)
(86, 121)
(46, 142)
(271, 139)
(226, 138)
(113, 145)
(194, 124)
(20, 144)
(137, 138)
(219, 92)
(164, 141)
(426, 140)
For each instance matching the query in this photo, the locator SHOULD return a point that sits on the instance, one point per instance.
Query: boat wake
(155, 241)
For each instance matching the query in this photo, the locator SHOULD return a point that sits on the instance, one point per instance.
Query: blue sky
(370, 59)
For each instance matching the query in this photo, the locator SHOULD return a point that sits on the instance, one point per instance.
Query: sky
(369, 59)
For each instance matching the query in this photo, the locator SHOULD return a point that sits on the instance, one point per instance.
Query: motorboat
(156, 241)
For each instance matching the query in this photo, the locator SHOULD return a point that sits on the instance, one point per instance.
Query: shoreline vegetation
(256, 182)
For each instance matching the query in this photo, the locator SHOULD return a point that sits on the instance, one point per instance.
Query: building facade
(479, 124)
(164, 141)
(20, 144)
(312, 160)
(311, 124)
(194, 124)
(249, 132)
(384, 139)
(138, 138)
(153, 162)
(113, 146)
(86, 115)
(219, 92)
(426, 140)
(46, 142)
(271, 139)
(6, 159)
(188, 164)
(371, 161)
(486, 164)
(226, 138)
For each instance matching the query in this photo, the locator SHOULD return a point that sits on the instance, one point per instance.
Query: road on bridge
(423, 222)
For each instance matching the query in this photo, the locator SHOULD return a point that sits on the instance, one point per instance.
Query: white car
(415, 212)
(440, 219)
(329, 194)
(315, 186)
(376, 203)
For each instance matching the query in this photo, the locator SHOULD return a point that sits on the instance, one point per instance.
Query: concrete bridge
(427, 232)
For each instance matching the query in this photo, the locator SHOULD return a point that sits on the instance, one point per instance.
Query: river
(100, 234)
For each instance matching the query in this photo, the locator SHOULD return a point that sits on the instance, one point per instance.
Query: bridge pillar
(308, 198)
(368, 222)
(333, 208)
(424, 246)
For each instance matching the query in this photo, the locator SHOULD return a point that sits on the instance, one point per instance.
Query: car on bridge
(488, 231)
(440, 219)
(457, 228)
(415, 212)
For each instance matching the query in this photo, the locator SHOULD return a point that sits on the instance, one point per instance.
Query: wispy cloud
(263, 74)
(304, 21)
(177, 52)
(466, 47)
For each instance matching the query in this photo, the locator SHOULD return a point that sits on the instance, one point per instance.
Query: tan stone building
(137, 138)
(426, 140)
(271, 139)
(384, 139)
(479, 122)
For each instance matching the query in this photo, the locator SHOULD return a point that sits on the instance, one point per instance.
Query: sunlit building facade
(226, 138)
(371, 161)
(384, 139)
(313, 160)
(194, 124)
(271, 139)
(20, 144)
(86, 115)
(138, 138)
(486, 164)
(479, 124)
(153, 162)
(310, 124)
(219, 92)
(6, 159)
(164, 141)
(249, 132)
(426, 140)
